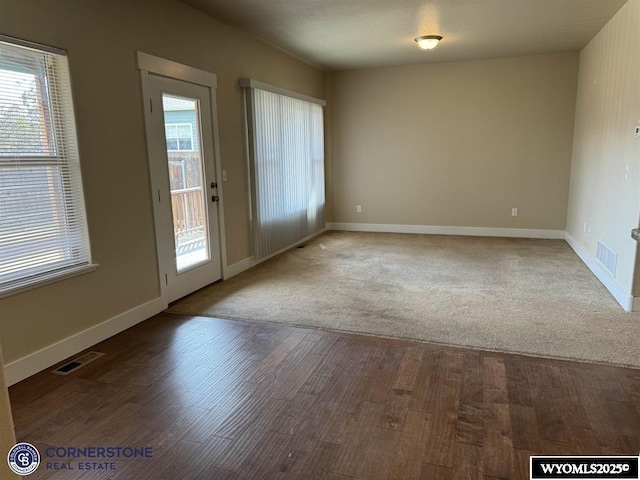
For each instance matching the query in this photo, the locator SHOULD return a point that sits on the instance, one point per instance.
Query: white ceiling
(347, 34)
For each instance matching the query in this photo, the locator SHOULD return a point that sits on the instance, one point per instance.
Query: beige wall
(7, 436)
(102, 39)
(608, 109)
(456, 144)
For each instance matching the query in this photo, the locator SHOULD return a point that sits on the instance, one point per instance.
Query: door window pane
(186, 181)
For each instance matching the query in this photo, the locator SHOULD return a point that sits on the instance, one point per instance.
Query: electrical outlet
(358, 208)
(626, 171)
(584, 229)
(514, 212)
(637, 131)
(224, 175)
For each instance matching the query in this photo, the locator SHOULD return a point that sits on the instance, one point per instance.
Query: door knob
(215, 198)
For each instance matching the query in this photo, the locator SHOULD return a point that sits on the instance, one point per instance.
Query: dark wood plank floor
(219, 399)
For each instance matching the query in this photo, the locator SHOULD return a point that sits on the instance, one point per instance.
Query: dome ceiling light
(428, 42)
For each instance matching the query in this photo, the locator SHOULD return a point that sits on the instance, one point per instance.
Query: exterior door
(185, 192)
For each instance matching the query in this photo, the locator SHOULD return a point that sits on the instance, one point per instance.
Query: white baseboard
(249, 262)
(238, 267)
(440, 230)
(636, 304)
(299, 242)
(35, 362)
(625, 300)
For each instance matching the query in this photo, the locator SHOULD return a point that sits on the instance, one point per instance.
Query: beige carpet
(515, 295)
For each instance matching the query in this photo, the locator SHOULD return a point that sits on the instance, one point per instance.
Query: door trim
(168, 68)
(152, 65)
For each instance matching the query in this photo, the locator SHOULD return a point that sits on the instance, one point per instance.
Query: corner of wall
(7, 434)
(603, 201)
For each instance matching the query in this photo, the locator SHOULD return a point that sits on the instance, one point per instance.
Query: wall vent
(76, 363)
(607, 257)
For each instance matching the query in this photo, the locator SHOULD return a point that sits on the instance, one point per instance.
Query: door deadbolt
(215, 198)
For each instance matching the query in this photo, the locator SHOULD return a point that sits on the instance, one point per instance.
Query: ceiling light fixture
(427, 42)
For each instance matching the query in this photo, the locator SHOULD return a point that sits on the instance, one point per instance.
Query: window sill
(48, 280)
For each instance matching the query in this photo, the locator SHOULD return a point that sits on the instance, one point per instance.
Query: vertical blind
(43, 230)
(287, 170)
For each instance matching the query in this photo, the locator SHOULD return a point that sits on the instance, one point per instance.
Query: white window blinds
(43, 231)
(286, 137)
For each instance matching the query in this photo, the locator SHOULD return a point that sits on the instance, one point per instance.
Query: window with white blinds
(286, 136)
(43, 231)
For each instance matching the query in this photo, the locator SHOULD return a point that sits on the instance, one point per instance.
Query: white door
(185, 192)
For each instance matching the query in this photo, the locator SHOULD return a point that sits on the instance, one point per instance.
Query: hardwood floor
(220, 399)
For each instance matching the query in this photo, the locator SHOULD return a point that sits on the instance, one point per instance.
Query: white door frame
(150, 64)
